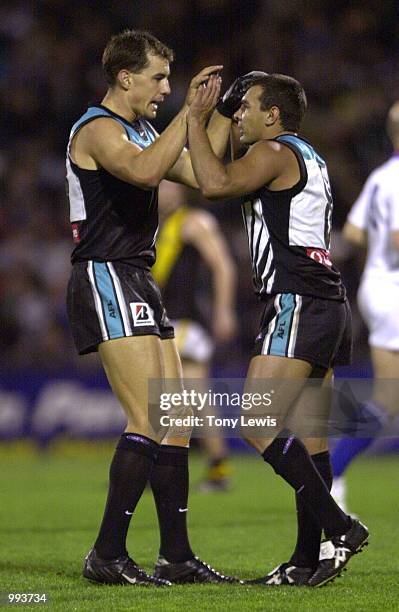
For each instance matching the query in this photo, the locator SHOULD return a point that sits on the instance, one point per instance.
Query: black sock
(306, 553)
(129, 472)
(289, 458)
(169, 482)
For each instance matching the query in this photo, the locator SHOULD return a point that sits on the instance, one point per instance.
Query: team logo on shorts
(142, 314)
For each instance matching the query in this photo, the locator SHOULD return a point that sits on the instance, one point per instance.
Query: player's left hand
(200, 79)
(229, 104)
(205, 99)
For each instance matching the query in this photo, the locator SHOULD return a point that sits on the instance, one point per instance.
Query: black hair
(287, 94)
(130, 50)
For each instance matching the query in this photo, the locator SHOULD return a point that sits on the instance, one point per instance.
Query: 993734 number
(24, 598)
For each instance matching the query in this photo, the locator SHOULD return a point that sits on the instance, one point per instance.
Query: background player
(305, 328)
(189, 236)
(115, 162)
(373, 222)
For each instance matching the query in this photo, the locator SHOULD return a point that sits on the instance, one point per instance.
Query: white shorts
(378, 300)
(193, 341)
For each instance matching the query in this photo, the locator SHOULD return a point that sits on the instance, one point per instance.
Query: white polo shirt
(376, 211)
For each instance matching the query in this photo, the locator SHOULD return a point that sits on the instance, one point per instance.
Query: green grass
(52, 505)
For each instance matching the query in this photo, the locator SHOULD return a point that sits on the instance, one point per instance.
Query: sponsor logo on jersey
(75, 233)
(320, 255)
(142, 314)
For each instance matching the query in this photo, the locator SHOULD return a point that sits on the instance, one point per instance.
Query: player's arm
(237, 149)
(105, 141)
(230, 103)
(265, 160)
(182, 171)
(355, 228)
(263, 163)
(354, 234)
(218, 131)
(202, 231)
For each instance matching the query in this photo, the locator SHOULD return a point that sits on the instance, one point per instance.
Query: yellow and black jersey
(177, 270)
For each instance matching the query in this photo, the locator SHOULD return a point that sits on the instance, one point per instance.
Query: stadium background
(345, 54)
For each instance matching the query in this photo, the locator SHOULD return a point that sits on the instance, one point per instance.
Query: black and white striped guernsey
(289, 231)
(112, 220)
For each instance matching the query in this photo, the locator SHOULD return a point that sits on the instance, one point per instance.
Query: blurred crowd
(344, 53)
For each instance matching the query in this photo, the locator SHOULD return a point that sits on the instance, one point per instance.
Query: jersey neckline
(132, 124)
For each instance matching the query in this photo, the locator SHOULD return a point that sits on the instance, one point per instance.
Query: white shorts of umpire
(193, 341)
(378, 300)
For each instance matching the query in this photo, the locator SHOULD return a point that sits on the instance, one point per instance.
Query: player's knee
(258, 443)
(179, 422)
(147, 421)
(315, 445)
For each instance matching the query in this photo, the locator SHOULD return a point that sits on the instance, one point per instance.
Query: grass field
(51, 506)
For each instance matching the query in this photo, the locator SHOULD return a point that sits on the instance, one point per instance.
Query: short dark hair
(130, 50)
(286, 93)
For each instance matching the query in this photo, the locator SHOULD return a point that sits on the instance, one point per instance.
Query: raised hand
(205, 99)
(229, 104)
(201, 78)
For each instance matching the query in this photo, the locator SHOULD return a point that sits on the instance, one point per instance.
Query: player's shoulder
(268, 147)
(271, 152)
(103, 125)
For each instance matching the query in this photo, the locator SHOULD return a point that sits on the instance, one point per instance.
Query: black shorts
(109, 300)
(302, 327)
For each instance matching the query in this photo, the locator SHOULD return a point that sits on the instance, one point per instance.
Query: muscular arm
(236, 148)
(201, 230)
(218, 132)
(104, 141)
(263, 163)
(267, 162)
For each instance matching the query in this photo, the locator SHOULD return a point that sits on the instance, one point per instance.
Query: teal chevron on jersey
(138, 132)
(305, 148)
